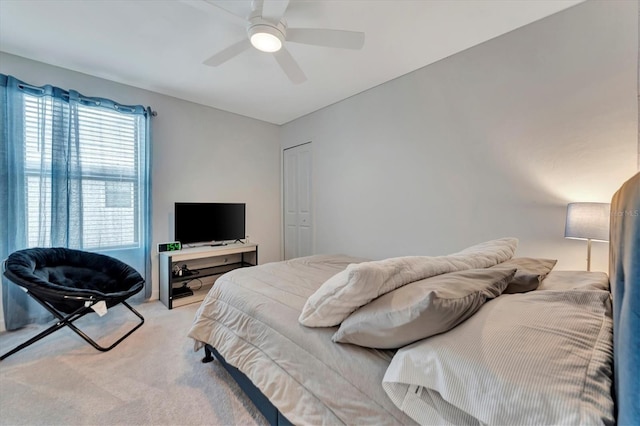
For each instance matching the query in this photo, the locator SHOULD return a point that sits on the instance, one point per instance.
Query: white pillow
(536, 358)
(575, 280)
(360, 283)
(423, 308)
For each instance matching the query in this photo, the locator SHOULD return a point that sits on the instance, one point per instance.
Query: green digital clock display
(173, 246)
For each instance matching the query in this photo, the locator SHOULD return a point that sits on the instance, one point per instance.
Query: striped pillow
(543, 358)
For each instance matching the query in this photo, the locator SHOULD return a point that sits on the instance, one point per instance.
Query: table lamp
(588, 221)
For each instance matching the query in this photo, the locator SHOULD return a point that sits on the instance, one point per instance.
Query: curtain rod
(81, 97)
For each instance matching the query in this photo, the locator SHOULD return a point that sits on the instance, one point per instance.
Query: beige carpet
(152, 378)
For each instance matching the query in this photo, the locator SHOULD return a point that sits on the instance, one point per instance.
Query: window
(74, 172)
(110, 173)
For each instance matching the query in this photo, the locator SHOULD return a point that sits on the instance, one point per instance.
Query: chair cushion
(56, 274)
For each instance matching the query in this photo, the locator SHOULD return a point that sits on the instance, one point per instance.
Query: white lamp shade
(588, 221)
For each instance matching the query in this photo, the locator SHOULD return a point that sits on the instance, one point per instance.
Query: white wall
(199, 154)
(491, 142)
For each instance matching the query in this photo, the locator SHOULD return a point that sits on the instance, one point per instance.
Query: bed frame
(262, 403)
(624, 277)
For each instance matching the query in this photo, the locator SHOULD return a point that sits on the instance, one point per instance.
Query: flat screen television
(209, 222)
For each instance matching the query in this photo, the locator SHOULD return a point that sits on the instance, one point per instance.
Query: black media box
(182, 292)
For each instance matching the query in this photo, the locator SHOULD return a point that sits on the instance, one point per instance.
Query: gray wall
(491, 142)
(199, 154)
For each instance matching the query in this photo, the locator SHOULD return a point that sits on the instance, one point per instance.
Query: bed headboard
(624, 276)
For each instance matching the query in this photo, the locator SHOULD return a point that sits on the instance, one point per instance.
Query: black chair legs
(108, 348)
(68, 321)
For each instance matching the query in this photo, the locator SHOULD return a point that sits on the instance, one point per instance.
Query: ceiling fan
(267, 31)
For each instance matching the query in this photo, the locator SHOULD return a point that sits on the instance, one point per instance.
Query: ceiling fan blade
(212, 8)
(228, 53)
(328, 38)
(273, 10)
(256, 7)
(290, 66)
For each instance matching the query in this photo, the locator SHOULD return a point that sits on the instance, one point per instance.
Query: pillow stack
(423, 308)
(360, 283)
(391, 303)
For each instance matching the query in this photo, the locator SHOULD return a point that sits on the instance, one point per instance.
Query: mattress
(251, 317)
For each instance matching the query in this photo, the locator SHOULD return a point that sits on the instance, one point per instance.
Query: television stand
(207, 263)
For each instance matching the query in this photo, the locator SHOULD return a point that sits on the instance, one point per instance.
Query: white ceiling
(160, 45)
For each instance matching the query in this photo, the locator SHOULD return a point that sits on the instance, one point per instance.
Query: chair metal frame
(68, 319)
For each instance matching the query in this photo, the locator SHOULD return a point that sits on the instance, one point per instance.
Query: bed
(333, 339)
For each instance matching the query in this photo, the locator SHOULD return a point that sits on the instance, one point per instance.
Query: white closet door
(298, 202)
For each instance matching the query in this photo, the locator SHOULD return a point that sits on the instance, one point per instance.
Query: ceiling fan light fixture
(266, 38)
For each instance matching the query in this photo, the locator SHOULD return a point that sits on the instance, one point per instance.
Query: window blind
(110, 172)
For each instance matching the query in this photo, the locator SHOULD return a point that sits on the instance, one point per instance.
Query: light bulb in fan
(266, 38)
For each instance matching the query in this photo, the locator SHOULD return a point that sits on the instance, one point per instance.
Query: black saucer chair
(69, 283)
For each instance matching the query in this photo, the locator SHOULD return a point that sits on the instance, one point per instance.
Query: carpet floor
(152, 378)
